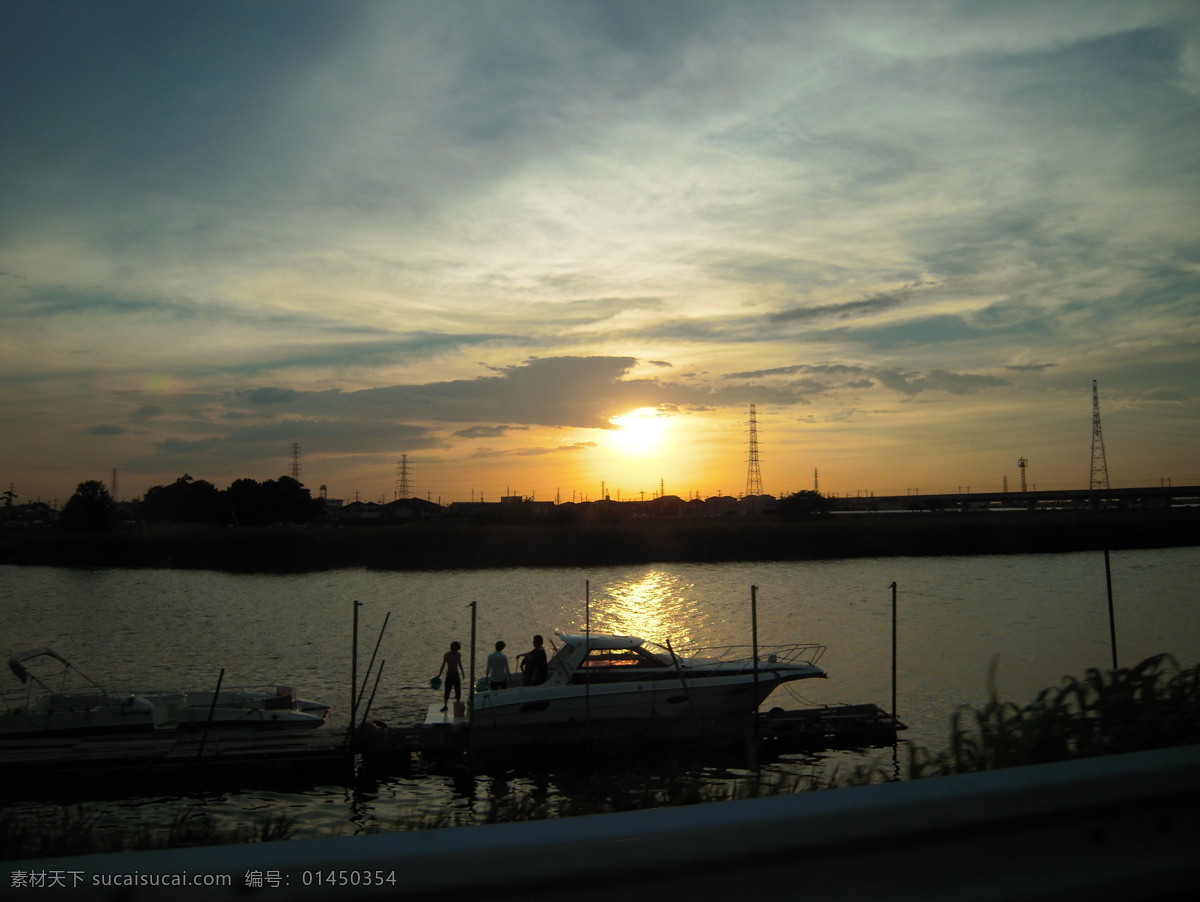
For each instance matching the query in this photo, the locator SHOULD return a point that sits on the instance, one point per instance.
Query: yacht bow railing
(794, 653)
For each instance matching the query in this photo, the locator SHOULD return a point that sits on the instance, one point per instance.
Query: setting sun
(639, 431)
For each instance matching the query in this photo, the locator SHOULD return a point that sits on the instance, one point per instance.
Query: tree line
(246, 502)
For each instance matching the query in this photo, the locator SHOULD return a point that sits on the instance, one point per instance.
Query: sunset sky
(545, 247)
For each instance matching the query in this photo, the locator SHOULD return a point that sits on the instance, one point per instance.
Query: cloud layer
(911, 234)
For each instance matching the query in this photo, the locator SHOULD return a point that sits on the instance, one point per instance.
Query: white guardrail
(1116, 828)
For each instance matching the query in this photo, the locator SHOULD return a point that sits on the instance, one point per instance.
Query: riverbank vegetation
(72, 830)
(449, 543)
(1152, 705)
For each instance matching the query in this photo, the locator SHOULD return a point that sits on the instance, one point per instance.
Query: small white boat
(274, 709)
(88, 708)
(594, 678)
(81, 709)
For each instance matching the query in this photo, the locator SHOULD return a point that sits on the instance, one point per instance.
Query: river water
(1029, 619)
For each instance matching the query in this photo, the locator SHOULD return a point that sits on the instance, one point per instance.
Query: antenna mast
(753, 474)
(1099, 476)
(296, 461)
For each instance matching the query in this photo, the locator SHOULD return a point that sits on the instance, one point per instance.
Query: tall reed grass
(1154, 704)
(71, 830)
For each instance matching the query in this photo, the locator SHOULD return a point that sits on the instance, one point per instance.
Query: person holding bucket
(453, 665)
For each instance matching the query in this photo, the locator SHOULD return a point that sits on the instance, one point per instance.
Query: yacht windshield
(620, 657)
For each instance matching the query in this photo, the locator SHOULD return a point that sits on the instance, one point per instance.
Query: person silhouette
(498, 673)
(452, 664)
(533, 663)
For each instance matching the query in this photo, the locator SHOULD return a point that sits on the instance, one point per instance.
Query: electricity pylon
(753, 473)
(1099, 475)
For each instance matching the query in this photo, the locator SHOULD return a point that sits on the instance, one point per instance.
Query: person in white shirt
(497, 668)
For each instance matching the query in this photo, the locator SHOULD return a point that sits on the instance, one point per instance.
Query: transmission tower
(1099, 477)
(296, 461)
(402, 477)
(113, 492)
(753, 474)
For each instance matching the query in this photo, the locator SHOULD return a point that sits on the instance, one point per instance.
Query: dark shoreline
(458, 544)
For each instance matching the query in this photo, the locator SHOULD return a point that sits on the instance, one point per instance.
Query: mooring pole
(686, 690)
(754, 639)
(471, 690)
(894, 715)
(353, 673)
(474, 606)
(1112, 619)
(211, 710)
(371, 666)
(375, 688)
(587, 650)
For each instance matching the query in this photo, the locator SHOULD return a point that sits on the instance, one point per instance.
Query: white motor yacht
(594, 677)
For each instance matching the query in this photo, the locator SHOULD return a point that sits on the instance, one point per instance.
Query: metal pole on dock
(686, 690)
(371, 666)
(211, 710)
(587, 650)
(1112, 619)
(374, 689)
(754, 639)
(353, 673)
(471, 689)
(474, 606)
(894, 714)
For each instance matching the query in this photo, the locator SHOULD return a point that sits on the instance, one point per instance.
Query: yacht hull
(704, 698)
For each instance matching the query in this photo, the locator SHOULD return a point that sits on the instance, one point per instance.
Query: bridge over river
(1147, 496)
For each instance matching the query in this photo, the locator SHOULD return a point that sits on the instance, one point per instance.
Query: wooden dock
(170, 759)
(180, 761)
(830, 726)
(833, 726)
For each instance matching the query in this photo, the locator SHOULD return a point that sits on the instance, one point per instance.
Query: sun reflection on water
(657, 606)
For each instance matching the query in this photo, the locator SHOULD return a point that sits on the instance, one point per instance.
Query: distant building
(507, 508)
(411, 509)
(26, 516)
(362, 510)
